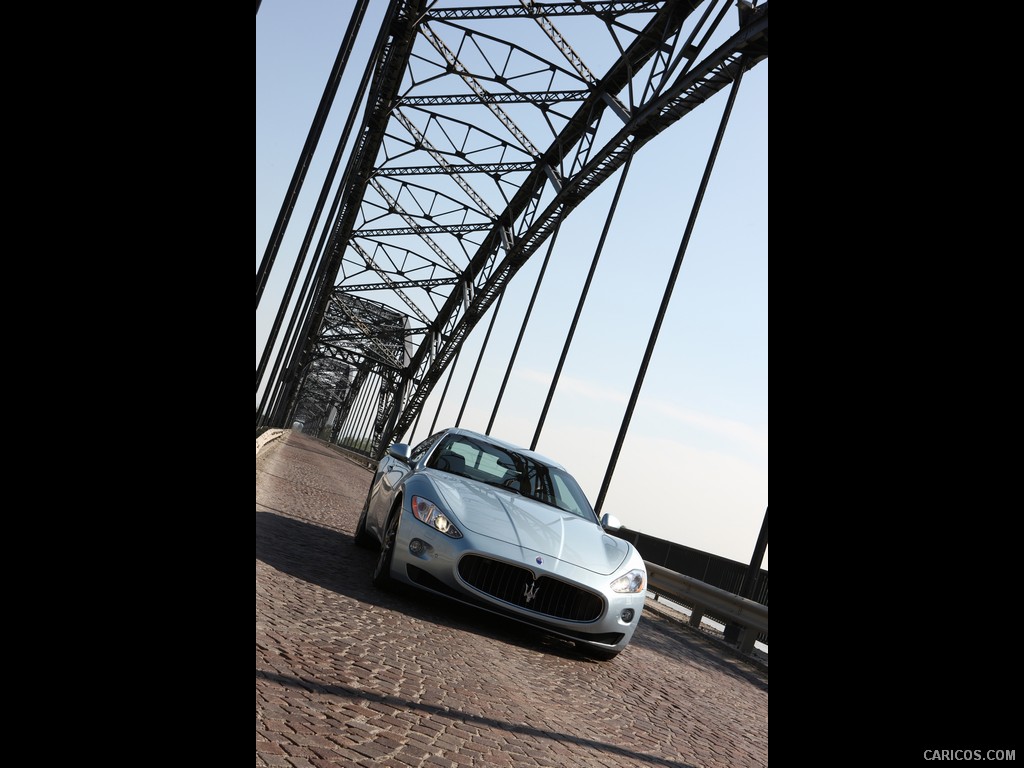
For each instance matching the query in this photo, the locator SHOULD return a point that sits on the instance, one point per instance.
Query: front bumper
(427, 559)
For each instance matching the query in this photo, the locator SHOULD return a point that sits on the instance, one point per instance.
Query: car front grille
(517, 586)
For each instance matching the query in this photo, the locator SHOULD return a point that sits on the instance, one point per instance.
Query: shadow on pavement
(673, 639)
(445, 712)
(330, 559)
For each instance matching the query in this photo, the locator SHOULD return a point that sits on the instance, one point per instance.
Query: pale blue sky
(694, 467)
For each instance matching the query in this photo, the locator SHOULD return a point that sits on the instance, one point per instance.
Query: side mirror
(399, 451)
(610, 521)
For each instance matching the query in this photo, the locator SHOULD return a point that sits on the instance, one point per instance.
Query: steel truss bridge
(482, 128)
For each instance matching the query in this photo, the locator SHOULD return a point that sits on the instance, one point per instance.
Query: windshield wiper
(504, 484)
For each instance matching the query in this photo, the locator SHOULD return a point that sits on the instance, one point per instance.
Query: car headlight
(427, 512)
(632, 582)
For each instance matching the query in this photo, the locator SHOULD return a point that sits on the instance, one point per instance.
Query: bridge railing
(703, 598)
(721, 574)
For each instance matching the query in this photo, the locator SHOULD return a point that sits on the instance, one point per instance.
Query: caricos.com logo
(970, 754)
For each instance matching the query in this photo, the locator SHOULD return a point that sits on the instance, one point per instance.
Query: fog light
(627, 615)
(416, 547)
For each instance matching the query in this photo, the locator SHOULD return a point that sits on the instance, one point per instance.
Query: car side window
(564, 498)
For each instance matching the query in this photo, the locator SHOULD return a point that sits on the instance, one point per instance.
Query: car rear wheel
(382, 573)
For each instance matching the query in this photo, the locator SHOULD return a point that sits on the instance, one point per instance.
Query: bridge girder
(445, 83)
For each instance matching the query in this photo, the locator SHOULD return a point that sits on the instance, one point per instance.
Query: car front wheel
(382, 573)
(362, 538)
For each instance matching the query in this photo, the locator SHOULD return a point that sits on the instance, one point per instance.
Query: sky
(694, 465)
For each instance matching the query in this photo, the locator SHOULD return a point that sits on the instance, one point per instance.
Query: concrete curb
(269, 436)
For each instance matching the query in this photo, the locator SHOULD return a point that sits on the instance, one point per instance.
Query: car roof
(505, 444)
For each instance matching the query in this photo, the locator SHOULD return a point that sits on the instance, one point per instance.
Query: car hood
(530, 525)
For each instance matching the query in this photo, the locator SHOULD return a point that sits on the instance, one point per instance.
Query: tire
(382, 572)
(361, 537)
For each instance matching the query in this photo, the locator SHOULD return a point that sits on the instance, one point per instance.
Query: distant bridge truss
(484, 127)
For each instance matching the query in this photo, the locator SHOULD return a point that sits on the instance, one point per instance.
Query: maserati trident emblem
(531, 591)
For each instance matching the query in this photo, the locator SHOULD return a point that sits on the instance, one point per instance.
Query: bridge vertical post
(305, 158)
(750, 578)
(652, 341)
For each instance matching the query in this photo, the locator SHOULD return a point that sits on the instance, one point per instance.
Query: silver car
(504, 529)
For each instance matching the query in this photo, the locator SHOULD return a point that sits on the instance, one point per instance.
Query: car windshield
(488, 463)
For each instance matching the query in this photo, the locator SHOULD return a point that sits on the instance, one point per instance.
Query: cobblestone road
(347, 675)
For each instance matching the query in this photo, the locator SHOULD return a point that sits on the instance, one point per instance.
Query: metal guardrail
(716, 570)
(702, 597)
